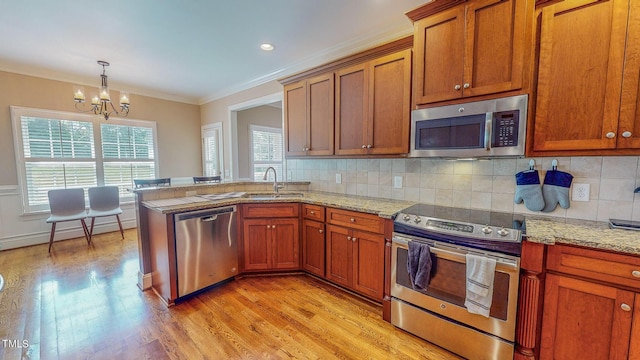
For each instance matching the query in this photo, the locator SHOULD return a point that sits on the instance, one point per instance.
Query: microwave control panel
(505, 128)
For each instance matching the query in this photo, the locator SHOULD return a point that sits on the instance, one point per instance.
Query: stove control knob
(486, 229)
(417, 219)
(406, 218)
(503, 232)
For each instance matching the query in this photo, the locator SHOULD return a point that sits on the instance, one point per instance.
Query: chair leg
(86, 231)
(120, 225)
(53, 231)
(93, 220)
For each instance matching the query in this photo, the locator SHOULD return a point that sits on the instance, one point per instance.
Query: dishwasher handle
(209, 218)
(211, 214)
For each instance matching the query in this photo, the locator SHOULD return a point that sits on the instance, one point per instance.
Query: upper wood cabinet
(589, 66)
(373, 106)
(473, 49)
(308, 116)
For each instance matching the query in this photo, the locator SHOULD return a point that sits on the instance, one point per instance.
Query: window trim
(17, 112)
(215, 128)
(252, 128)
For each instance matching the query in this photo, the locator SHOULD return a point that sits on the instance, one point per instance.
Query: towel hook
(554, 164)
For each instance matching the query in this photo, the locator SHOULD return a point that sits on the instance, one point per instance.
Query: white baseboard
(144, 281)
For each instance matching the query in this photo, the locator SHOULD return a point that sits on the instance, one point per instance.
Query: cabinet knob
(364, 146)
(610, 135)
(635, 273)
(268, 226)
(625, 307)
(349, 238)
(369, 146)
(320, 231)
(457, 87)
(353, 239)
(626, 134)
(466, 85)
(353, 220)
(273, 226)
(312, 212)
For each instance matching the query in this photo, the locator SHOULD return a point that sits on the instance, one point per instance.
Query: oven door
(446, 292)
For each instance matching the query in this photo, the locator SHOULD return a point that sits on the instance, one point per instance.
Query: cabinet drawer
(271, 210)
(313, 212)
(599, 265)
(356, 220)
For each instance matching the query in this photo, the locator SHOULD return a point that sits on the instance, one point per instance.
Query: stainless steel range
(437, 312)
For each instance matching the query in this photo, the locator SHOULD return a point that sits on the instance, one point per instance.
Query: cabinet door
(438, 56)
(368, 264)
(285, 244)
(390, 104)
(313, 246)
(257, 244)
(339, 255)
(320, 115)
(585, 318)
(629, 126)
(494, 46)
(295, 118)
(582, 45)
(634, 350)
(351, 110)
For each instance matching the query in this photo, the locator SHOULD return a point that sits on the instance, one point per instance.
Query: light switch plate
(338, 178)
(580, 192)
(397, 182)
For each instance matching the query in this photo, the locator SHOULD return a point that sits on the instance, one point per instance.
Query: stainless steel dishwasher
(206, 248)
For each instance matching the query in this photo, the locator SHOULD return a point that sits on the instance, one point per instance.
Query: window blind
(267, 150)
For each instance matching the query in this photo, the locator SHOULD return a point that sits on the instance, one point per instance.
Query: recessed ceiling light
(266, 47)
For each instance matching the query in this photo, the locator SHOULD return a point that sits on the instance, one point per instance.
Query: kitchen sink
(271, 196)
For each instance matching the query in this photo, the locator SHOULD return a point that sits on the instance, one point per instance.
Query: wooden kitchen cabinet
(588, 71)
(355, 251)
(309, 116)
(313, 240)
(591, 305)
(472, 49)
(270, 243)
(373, 105)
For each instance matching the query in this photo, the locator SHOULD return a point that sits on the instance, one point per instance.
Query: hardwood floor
(82, 302)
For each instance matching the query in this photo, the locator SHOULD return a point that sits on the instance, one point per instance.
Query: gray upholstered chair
(67, 205)
(104, 201)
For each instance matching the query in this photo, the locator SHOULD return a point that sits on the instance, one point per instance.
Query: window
(56, 150)
(212, 159)
(266, 150)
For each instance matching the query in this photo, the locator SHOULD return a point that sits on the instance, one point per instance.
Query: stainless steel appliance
(437, 313)
(206, 248)
(489, 128)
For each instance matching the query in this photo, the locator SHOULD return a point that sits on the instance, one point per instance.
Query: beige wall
(219, 111)
(179, 151)
(260, 115)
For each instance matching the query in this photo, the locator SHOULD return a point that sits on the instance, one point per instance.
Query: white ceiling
(193, 51)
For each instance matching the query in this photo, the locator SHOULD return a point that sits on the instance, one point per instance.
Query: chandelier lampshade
(101, 103)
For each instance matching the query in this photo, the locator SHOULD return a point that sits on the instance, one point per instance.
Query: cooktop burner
(489, 230)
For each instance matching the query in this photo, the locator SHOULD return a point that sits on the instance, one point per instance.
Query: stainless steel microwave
(488, 128)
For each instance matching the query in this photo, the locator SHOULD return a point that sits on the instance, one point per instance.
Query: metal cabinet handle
(466, 85)
(626, 134)
(368, 146)
(320, 231)
(353, 239)
(349, 238)
(273, 226)
(610, 135)
(312, 212)
(364, 146)
(635, 273)
(457, 87)
(268, 226)
(353, 220)
(625, 307)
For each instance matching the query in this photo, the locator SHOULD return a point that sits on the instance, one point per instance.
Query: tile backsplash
(478, 184)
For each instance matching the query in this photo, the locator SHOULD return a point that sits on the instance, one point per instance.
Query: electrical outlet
(397, 182)
(580, 192)
(338, 178)
(191, 193)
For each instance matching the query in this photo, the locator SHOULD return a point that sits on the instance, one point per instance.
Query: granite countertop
(591, 234)
(384, 208)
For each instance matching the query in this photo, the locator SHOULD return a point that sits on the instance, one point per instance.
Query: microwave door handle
(487, 131)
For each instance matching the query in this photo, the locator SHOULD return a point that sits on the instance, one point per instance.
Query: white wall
(486, 184)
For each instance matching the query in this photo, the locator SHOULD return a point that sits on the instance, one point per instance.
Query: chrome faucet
(275, 179)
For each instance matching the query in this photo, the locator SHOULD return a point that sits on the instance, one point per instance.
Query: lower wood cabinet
(355, 259)
(313, 247)
(271, 243)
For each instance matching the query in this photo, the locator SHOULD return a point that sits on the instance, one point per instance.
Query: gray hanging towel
(419, 265)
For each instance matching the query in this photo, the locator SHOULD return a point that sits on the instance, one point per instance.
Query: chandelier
(101, 104)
